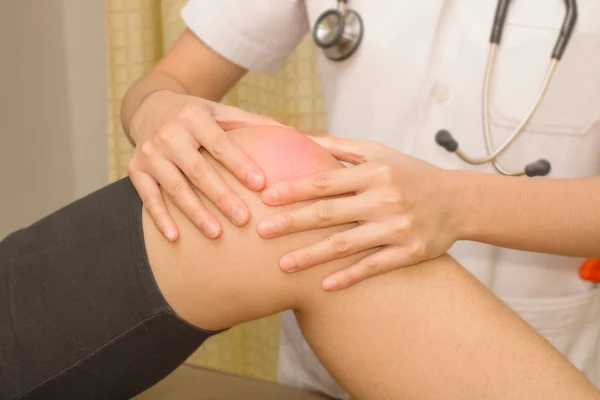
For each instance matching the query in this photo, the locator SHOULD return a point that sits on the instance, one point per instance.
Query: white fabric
(256, 34)
(420, 68)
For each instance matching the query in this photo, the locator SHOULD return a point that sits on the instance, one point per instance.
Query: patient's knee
(214, 284)
(283, 153)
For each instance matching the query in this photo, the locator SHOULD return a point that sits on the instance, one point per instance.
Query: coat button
(440, 93)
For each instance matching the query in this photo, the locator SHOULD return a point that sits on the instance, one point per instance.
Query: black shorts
(81, 316)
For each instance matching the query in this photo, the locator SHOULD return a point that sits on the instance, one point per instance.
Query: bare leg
(434, 332)
(426, 332)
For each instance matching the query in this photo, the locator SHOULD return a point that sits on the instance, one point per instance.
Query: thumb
(229, 117)
(347, 150)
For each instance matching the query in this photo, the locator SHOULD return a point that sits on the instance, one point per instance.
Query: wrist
(145, 112)
(463, 194)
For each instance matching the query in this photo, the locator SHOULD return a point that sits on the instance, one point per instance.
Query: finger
(208, 181)
(351, 151)
(227, 151)
(229, 117)
(178, 189)
(382, 261)
(321, 214)
(153, 201)
(337, 246)
(322, 184)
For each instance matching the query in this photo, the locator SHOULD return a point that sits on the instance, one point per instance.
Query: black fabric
(81, 316)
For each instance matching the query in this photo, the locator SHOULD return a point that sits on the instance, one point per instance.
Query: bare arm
(190, 67)
(425, 332)
(555, 216)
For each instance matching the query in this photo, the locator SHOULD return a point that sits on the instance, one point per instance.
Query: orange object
(590, 270)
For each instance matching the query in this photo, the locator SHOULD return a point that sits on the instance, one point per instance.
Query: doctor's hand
(401, 204)
(169, 129)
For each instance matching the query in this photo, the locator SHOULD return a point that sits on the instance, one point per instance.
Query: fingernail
(211, 229)
(330, 283)
(169, 234)
(255, 181)
(287, 263)
(266, 228)
(269, 195)
(239, 215)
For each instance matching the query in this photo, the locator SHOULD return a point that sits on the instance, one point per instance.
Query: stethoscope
(339, 32)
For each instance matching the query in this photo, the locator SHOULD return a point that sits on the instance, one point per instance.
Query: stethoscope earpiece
(444, 139)
(540, 167)
(338, 32)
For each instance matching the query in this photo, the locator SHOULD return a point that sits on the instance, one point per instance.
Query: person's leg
(85, 320)
(80, 310)
(430, 331)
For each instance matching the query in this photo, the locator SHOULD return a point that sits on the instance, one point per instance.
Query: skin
(168, 115)
(418, 222)
(423, 221)
(428, 332)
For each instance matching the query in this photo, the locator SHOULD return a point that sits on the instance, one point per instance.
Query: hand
(401, 205)
(169, 129)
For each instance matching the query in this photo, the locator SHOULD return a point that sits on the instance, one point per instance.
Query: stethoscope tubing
(338, 32)
(540, 167)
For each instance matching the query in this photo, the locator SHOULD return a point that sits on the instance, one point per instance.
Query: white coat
(419, 69)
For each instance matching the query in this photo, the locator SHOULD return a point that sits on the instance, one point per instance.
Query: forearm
(138, 92)
(555, 216)
(190, 67)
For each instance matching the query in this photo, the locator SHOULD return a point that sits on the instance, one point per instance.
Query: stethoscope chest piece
(338, 32)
